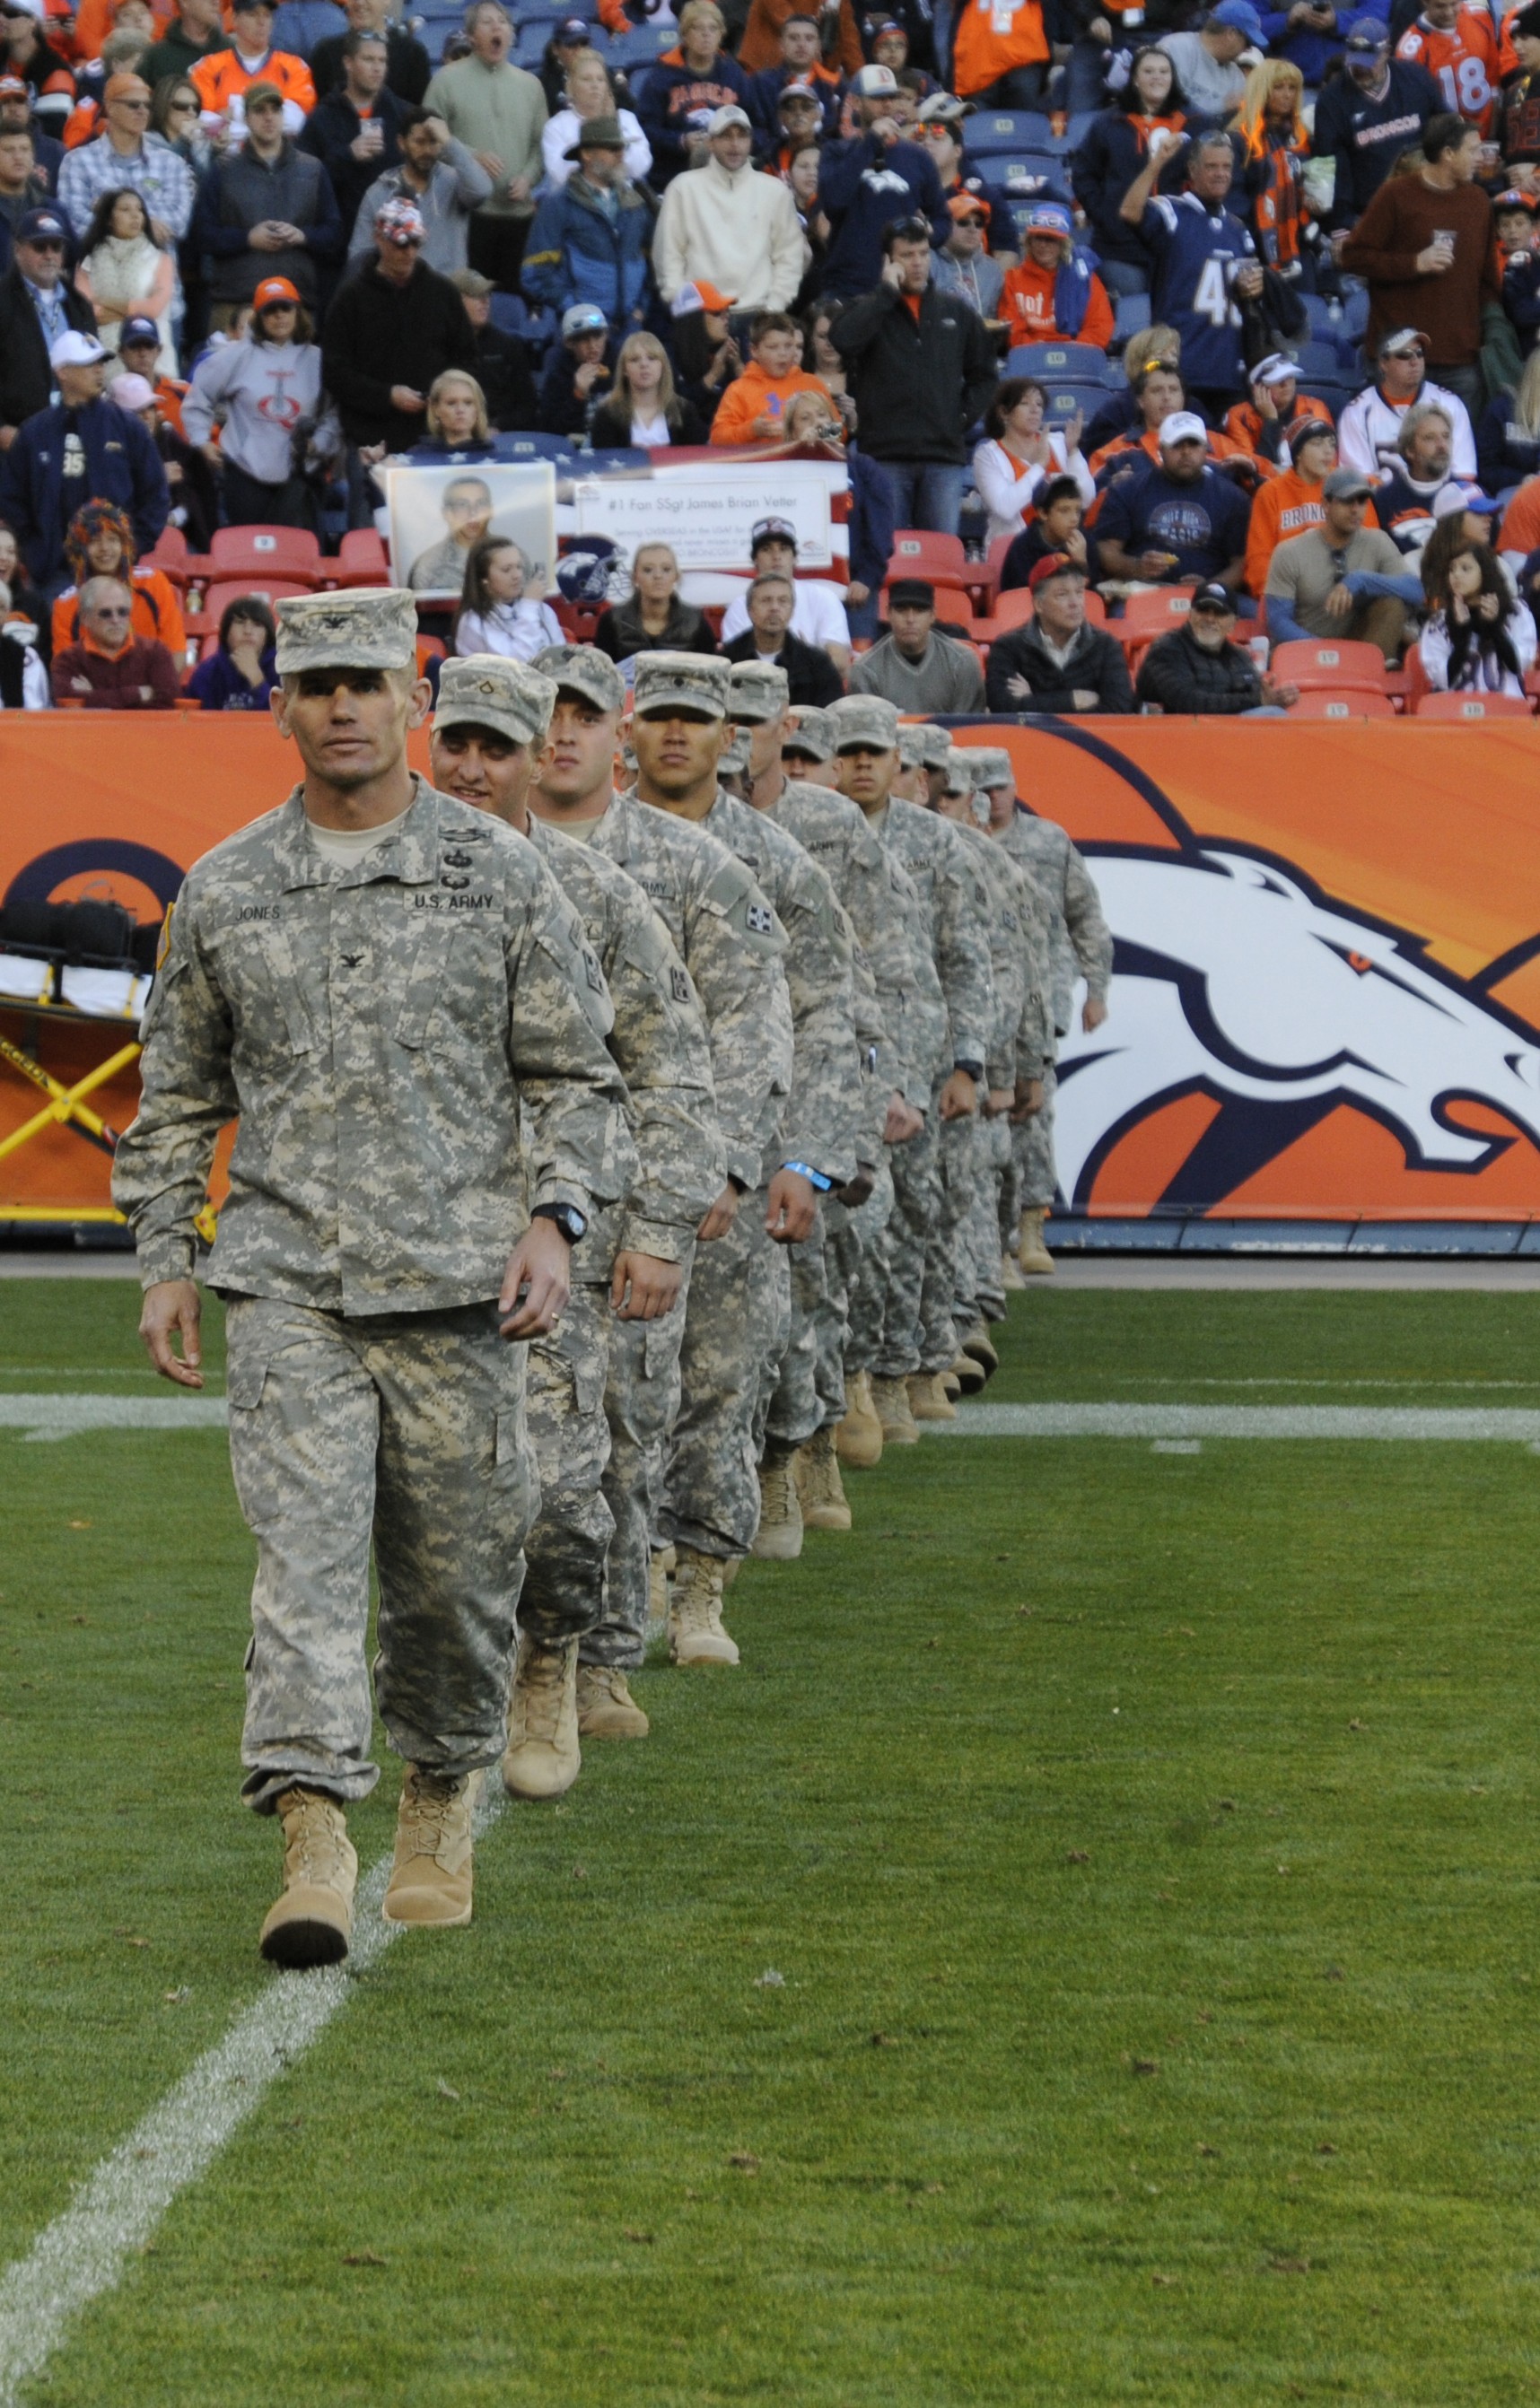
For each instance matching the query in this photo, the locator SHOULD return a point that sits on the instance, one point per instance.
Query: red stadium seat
(361, 561)
(1148, 615)
(917, 552)
(171, 556)
(268, 551)
(1475, 706)
(203, 624)
(1356, 702)
(1333, 667)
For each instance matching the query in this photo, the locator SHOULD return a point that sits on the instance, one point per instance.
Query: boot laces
(313, 1830)
(542, 1680)
(428, 1804)
(776, 1493)
(698, 1602)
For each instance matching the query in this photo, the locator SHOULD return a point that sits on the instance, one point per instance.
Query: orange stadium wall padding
(1325, 1011)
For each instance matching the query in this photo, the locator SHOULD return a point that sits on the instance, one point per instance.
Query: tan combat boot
(779, 1536)
(890, 1398)
(858, 1438)
(977, 1344)
(606, 1708)
(927, 1399)
(430, 1882)
(1011, 1277)
(969, 1375)
(542, 1758)
(951, 1384)
(824, 1503)
(1031, 1254)
(696, 1635)
(311, 1924)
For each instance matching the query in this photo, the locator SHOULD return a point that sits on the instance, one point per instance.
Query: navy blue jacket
(873, 520)
(1366, 136)
(1110, 157)
(862, 187)
(122, 466)
(675, 103)
(575, 254)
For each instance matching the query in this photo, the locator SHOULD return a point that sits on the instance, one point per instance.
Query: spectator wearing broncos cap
(962, 265)
(924, 674)
(817, 616)
(393, 329)
(921, 369)
(725, 220)
(1057, 661)
(1177, 520)
(260, 389)
(1366, 117)
(684, 91)
(867, 184)
(37, 306)
(1426, 247)
(1199, 668)
(1266, 425)
(1369, 430)
(1055, 296)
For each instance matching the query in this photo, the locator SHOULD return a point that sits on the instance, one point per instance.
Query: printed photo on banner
(436, 514)
(708, 513)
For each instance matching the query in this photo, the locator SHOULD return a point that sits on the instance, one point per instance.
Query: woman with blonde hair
(642, 410)
(455, 421)
(1272, 143)
(590, 93)
(652, 618)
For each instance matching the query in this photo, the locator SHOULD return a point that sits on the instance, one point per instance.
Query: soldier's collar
(409, 855)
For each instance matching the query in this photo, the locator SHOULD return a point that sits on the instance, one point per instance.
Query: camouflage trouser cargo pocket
(567, 1549)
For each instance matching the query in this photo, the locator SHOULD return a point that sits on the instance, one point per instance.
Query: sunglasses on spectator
(972, 218)
(184, 107)
(112, 611)
(128, 101)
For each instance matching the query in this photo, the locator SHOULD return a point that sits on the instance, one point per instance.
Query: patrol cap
(864, 720)
(992, 766)
(811, 735)
(583, 669)
(958, 766)
(483, 689)
(922, 746)
(760, 690)
(372, 628)
(680, 681)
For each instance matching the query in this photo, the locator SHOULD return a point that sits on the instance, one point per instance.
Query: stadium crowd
(1104, 310)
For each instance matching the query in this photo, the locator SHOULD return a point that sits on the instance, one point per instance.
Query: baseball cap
(1277, 368)
(1049, 217)
(1239, 17)
(864, 721)
(1404, 337)
(42, 226)
(1054, 564)
(691, 298)
(572, 34)
(911, 594)
(875, 83)
(472, 284)
(583, 669)
(132, 391)
(276, 288)
(1465, 497)
(400, 221)
(1369, 34)
(1513, 199)
(680, 681)
(771, 531)
(760, 690)
(483, 690)
(75, 351)
(798, 92)
(1213, 596)
(138, 330)
(373, 627)
(584, 318)
(1182, 426)
(25, 8)
(888, 25)
(12, 88)
(1347, 485)
(262, 89)
(968, 205)
(721, 119)
(938, 107)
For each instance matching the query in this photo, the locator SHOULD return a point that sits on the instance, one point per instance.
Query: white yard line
(83, 2253)
(45, 1418)
(1329, 1422)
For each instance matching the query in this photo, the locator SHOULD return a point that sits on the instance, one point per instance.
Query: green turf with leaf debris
(1145, 1846)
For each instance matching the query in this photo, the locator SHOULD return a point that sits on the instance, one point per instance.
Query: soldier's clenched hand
(644, 1286)
(537, 1283)
(791, 1207)
(169, 1307)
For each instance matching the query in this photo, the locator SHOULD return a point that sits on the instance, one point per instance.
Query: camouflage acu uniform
(730, 940)
(1081, 942)
(384, 1032)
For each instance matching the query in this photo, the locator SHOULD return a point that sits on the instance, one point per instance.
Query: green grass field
(1146, 1844)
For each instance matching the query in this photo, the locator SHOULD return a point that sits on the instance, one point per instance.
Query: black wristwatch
(569, 1220)
(974, 1070)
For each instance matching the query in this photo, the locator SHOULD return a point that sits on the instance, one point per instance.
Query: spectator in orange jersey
(1294, 499)
(99, 542)
(1055, 296)
(1456, 46)
(223, 78)
(1000, 54)
(1265, 424)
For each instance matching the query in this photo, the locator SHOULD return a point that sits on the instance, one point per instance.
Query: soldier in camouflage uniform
(489, 728)
(910, 1282)
(730, 940)
(878, 899)
(1081, 942)
(807, 748)
(739, 1318)
(386, 987)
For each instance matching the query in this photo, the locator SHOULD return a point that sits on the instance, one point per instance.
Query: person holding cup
(1428, 251)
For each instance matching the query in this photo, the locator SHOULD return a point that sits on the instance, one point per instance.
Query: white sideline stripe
(81, 2254)
(1514, 1423)
(47, 1418)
